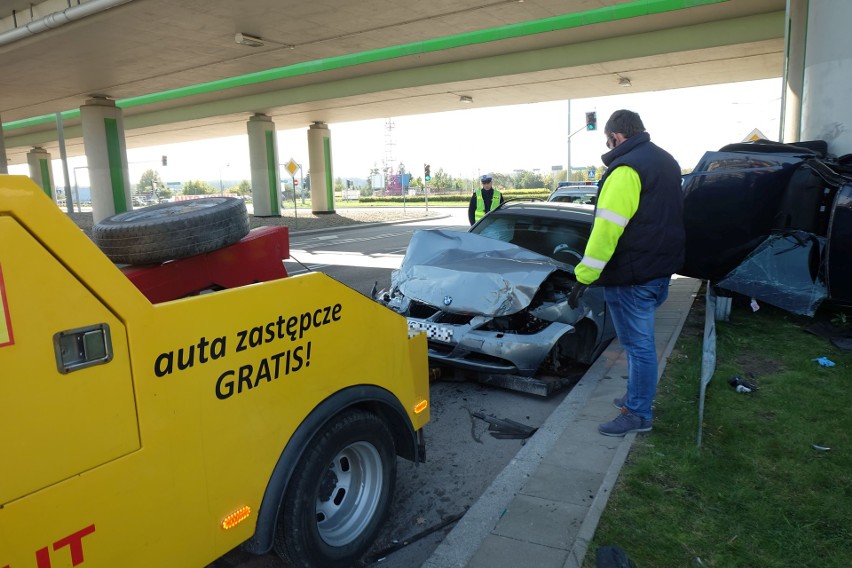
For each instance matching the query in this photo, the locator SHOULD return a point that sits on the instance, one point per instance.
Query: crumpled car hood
(469, 274)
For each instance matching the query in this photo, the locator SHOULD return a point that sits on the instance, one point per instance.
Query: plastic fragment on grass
(824, 362)
(820, 448)
(742, 386)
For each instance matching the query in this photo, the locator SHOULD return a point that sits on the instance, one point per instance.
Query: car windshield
(573, 197)
(563, 240)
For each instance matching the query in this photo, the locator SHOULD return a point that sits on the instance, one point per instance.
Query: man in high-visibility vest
(637, 243)
(483, 200)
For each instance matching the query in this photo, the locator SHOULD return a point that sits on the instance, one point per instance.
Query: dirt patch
(694, 323)
(755, 365)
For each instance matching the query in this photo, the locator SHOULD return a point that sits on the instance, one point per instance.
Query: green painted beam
(627, 10)
(699, 36)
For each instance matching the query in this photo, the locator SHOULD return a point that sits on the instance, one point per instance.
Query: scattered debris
(824, 362)
(839, 336)
(611, 556)
(505, 429)
(741, 385)
(382, 554)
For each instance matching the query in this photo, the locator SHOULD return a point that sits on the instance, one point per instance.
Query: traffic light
(165, 160)
(427, 168)
(591, 121)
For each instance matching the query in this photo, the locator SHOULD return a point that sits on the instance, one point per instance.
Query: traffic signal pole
(591, 124)
(427, 177)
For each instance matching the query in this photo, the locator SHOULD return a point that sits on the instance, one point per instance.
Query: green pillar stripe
(116, 170)
(272, 173)
(626, 10)
(44, 167)
(329, 182)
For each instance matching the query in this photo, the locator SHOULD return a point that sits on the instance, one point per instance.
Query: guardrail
(708, 353)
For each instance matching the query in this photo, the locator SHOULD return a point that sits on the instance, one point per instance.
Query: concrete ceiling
(333, 61)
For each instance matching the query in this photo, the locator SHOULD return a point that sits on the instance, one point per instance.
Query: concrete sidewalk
(543, 508)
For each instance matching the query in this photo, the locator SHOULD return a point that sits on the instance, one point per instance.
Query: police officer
(483, 200)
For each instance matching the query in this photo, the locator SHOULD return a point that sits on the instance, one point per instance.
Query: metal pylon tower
(389, 163)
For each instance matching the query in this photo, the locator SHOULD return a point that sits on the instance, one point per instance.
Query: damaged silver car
(494, 301)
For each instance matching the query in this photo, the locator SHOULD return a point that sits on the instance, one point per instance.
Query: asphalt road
(462, 457)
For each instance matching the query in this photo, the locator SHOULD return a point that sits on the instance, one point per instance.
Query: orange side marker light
(236, 517)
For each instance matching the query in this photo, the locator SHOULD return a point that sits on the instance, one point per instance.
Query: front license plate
(434, 331)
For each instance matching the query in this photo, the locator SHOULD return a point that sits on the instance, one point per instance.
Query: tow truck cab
(140, 433)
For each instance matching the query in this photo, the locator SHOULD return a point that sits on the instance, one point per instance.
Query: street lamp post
(77, 187)
(221, 187)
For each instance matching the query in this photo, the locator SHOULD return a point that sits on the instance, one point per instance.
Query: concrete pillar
(263, 157)
(826, 71)
(319, 156)
(794, 69)
(40, 171)
(4, 162)
(106, 154)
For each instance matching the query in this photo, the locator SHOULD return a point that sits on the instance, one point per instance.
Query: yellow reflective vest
(480, 204)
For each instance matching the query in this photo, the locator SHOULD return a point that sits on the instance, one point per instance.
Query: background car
(494, 300)
(574, 193)
(772, 222)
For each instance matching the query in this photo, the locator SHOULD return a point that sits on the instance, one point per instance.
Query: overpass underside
(719, 42)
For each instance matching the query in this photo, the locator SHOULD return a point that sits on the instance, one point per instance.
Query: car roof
(576, 190)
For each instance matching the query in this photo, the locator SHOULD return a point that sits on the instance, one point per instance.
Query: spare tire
(172, 230)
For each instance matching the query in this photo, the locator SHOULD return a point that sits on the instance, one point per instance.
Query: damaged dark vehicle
(772, 222)
(494, 301)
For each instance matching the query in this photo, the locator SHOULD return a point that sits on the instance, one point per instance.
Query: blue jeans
(632, 310)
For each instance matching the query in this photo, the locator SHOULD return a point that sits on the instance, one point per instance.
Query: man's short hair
(624, 122)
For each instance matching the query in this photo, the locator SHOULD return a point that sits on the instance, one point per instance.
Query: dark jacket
(652, 244)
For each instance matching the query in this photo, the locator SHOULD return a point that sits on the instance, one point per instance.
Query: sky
(466, 143)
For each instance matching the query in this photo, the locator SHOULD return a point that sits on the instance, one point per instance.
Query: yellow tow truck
(140, 429)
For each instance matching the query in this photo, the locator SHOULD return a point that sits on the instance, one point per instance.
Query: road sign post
(293, 167)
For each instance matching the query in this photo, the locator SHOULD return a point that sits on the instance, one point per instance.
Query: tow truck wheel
(340, 493)
(172, 230)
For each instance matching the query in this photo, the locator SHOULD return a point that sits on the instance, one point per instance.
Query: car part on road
(504, 428)
(172, 230)
(382, 554)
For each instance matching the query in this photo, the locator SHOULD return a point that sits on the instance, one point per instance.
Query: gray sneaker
(625, 423)
(619, 402)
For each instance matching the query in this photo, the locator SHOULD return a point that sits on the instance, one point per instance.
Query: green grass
(757, 493)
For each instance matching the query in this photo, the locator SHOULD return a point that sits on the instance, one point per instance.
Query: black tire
(340, 493)
(172, 230)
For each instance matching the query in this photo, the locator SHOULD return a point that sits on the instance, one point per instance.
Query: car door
(65, 384)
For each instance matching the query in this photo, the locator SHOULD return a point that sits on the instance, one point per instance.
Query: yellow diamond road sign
(755, 135)
(292, 167)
